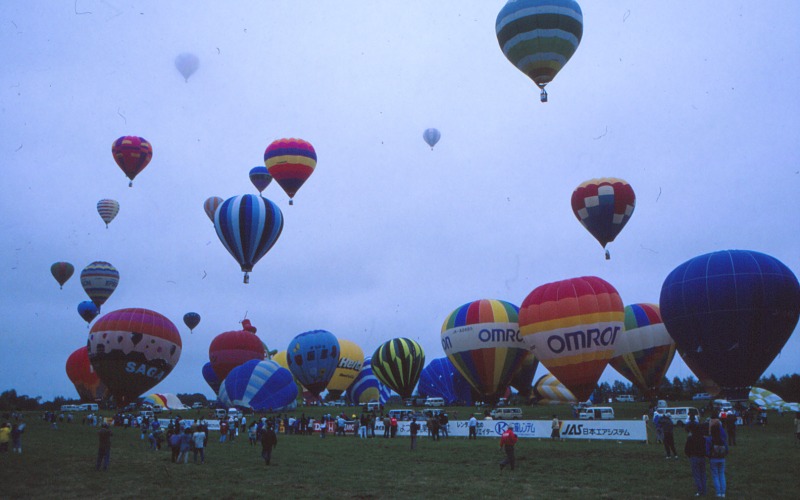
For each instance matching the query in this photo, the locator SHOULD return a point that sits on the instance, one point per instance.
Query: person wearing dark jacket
(104, 447)
(269, 440)
(668, 428)
(695, 449)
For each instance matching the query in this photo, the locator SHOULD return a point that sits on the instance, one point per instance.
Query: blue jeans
(718, 474)
(699, 473)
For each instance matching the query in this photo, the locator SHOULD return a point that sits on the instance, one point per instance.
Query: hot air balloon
(522, 379)
(191, 319)
(351, 358)
(231, 349)
(132, 350)
(482, 340)
(62, 271)
(99, 280)
(539, 36)
(132, 154)
(210, 206)
(248, 226)
(730, 313)
(313, 357)
(108, 209)
(431, 136)
(187, 63)
(644, 348)
(604, 206)
(572, 327)
(210, 377)
(548, 390)
(88, 311)
(440, 379)
(260, 178)
(290, 162)
(83, 376)
(398, 363)
(366, 387)
(262, 385)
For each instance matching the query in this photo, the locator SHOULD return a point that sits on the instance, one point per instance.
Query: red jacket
(508, 438)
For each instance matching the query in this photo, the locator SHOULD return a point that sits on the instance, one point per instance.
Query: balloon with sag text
(132, 350)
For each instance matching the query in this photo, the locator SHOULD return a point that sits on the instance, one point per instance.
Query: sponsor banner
(481, 336)
(620, 430)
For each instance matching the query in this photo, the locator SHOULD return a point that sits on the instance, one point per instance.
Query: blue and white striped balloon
(366, 387)
(248, 226)
(261, 385)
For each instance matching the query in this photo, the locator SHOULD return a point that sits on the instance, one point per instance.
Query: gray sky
(695, 104)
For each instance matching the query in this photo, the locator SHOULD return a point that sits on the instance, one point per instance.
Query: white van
(373, 405)
(597, 413)
(507, 414)
(89, 407)
(401, 414)
(434, 402)
(220, 413)
(679, 414)
(722, 405)
(70, 408)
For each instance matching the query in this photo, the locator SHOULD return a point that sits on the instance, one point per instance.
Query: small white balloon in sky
(187, 63)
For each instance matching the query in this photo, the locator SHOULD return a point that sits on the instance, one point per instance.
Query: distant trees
(10, 401)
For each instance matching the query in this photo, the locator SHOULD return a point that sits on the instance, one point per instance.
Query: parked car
(434, 402)
(701, 396)
(402, 414)
(197, 406)
(506, 414)
(597, 413)
(679, 414)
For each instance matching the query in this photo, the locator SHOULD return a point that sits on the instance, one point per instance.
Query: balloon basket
(130, 184)
(246, 278)
(608, 255)
(543, 96)
(291, 202)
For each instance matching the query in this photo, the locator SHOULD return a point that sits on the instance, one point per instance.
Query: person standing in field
(185, 446)
(387, 423)
(667, 429)
(104, 447)
(443, 425)
(199, 438)
(695, 449)
(473, 428)
(507, 442)
(717, 450)
(797, 427)
(555, 429)
(414, 428)
(16, 437)
(393, 425)
(269, 440)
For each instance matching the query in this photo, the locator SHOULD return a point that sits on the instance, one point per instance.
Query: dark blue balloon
(88, 310)
(313, 357)
(366, 387)
(441, 379)
(211, 378)
(730, 313)
(191, 319)
(262, 385)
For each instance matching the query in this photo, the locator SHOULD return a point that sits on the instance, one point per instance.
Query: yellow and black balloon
(398, 363)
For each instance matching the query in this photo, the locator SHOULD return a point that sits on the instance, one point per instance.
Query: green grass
(59, 463)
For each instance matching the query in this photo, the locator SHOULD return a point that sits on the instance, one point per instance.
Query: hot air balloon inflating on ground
(398, 363)
(313, 357)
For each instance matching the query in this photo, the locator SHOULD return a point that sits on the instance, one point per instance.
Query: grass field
(59, 463)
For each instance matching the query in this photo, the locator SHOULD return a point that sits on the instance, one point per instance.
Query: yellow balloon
(351, 359)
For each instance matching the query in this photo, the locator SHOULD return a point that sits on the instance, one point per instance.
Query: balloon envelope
(522, 379)
(210, 206)
(132, 350)
(730, 313)
(644, 348)
(539, 36)
(191, 319)
(231, 349)
(313, 357)
(366, 387)
(440, 379)
(187, 63)
(398, 363)
(132, 155)
(262, 385)
(604, 206)
(210, 377)
(549, 390)
(290, 162)
(83, 376)
(351, 358)
(572, 327)
(62, 271)
(260, 178)
(88, 310)
(99, 280)
(431, 136)
(483, 342)
(108, 209)
(248, 226)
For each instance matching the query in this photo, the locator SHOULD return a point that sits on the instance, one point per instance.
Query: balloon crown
(247, 326)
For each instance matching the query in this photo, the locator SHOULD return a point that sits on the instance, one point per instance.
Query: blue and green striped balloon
(539, 36)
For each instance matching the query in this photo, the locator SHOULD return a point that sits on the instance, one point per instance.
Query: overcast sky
(695, 104)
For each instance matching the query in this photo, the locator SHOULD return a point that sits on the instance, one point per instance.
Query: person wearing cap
(507, 442)
(104, 447)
